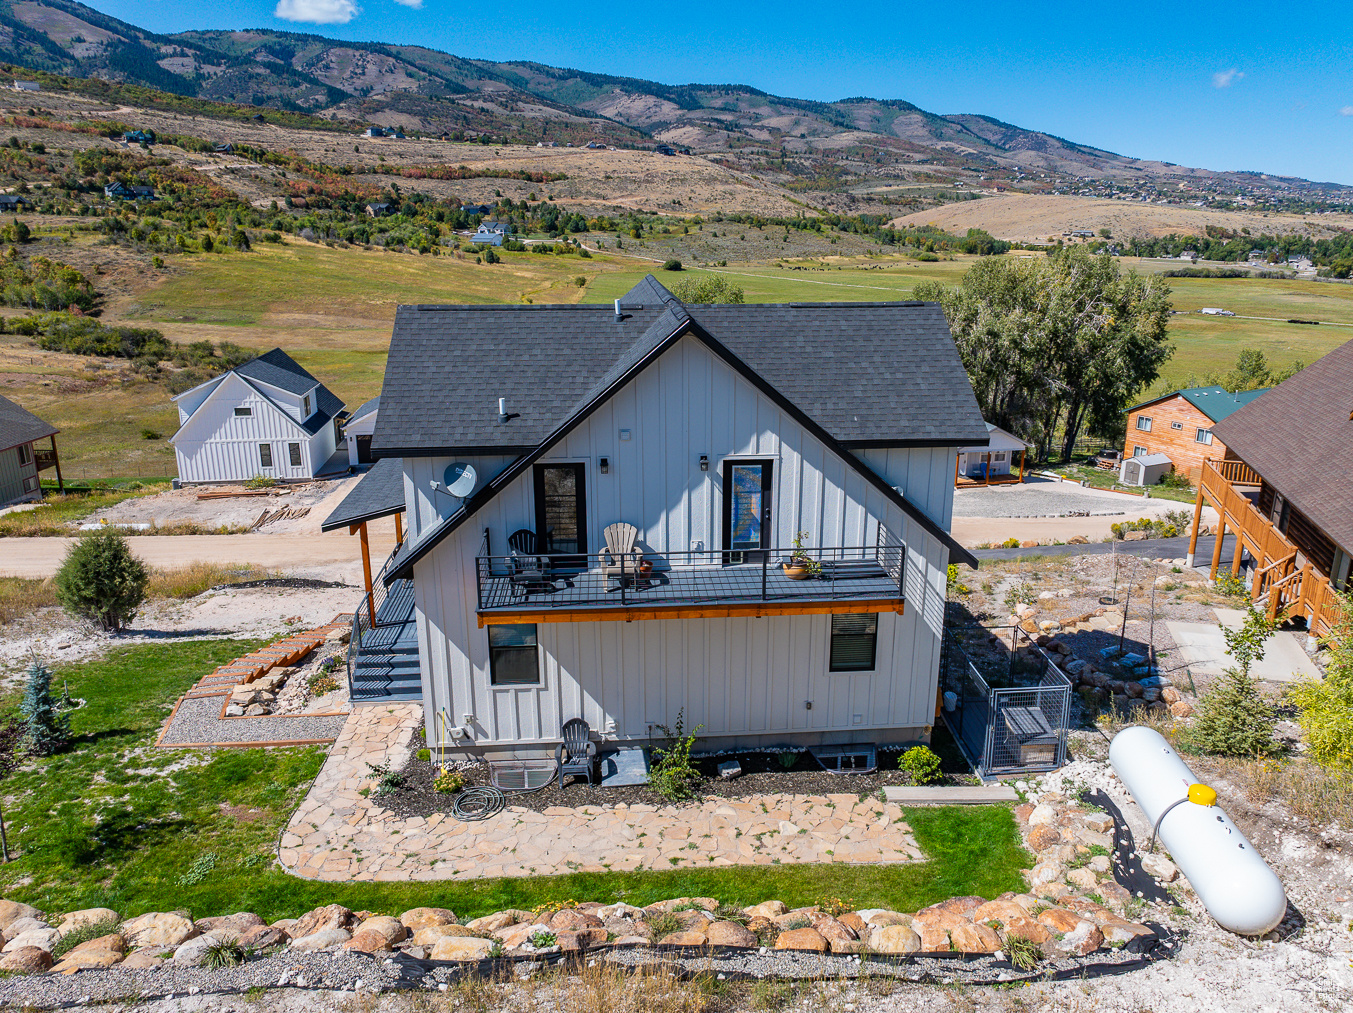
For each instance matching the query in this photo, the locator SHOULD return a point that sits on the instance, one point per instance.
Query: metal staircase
(383, 662)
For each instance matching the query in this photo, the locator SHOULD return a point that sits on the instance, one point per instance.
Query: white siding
(216, 445)
(747, 679)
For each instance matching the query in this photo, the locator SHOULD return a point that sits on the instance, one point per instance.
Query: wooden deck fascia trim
(741, 610)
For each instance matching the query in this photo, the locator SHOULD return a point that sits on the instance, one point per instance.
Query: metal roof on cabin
(18, 425)
(1214, 402)
(867, 373)
(1295, 437)
(379, 493)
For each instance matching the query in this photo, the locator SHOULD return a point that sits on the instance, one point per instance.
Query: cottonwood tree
(1055, 345)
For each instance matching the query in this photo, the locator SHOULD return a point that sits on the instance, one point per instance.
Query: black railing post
(765, 561)
(479, 580)
(624, 601)
(902, 572)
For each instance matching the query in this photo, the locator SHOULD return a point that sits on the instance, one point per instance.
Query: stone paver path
(340, 834)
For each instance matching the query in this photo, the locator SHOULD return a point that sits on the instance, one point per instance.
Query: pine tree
(101, 580)
(45, 731)
(1234, 719)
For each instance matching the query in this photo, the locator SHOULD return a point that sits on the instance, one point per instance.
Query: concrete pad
(985, 794)
(1203, 649)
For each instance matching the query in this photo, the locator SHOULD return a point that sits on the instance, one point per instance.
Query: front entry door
(561, 513)
(746, 510)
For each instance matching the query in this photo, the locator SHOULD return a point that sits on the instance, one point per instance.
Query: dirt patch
(284, 509)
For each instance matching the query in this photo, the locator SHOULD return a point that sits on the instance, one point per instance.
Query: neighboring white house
(492, 233)
(358, 429)
(723, 434)
(998, 459)
(268, 417)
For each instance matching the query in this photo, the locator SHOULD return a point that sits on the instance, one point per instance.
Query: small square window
(1203, 436)
(30, 484)
(514, 658)
(1144, 423)
(265, 455)
(854, 642)
(243, 412)
(294, 451)
(25, 454)
(1176, 425)
(1138, 451)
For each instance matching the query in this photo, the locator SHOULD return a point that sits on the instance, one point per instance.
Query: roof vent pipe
(503, 415)
(618, 315)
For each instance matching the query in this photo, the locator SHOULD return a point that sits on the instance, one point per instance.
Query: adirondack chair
(620, 557)
(575, 754)
(528, 569)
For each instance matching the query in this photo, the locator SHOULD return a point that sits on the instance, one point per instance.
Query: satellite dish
(460, 479)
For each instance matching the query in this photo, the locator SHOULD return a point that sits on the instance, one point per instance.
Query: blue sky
(1246, 86)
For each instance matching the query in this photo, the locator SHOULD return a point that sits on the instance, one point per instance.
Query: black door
(363, 449)
(746, 510)
(561, 513)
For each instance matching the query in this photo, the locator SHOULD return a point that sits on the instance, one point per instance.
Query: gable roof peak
(647, 292)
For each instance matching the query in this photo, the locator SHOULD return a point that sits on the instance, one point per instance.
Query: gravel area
(1043, 497)
(199, 721)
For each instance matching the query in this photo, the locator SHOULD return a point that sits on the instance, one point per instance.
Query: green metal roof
(1214, 402)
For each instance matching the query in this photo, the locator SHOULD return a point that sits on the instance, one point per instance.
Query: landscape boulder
(766, 909)
(462, 948)
(164, 929)
(499, 919)
(194, 951)
(320, 940)
(802, 939)
(231, 926)
(146, 959)
(570, 920)
(392, 930)
(1085, 938)
(11, 911)
(43, 939)
(264, 937)
(331, 916)
(894, 939)
(686, 937)
(86, 917)
(725, 933)
(577, 940)
(433, 934)
(26, 960)
(421, 917)
(368, 941)
(974, 937)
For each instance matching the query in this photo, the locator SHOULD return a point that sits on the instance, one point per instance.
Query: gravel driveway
(1043, 497)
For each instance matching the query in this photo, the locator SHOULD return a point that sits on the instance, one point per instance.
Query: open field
(1033, 218)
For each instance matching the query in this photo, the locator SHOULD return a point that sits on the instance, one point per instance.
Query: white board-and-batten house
(727, 436)
(268, 417)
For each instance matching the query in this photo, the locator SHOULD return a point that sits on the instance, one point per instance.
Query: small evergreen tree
(44, 730)
(1234, 718)
(102, 581)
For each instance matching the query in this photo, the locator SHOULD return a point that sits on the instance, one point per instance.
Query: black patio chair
(528, 569)
(575, 754)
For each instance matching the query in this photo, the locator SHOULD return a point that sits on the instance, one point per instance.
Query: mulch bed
(762, 774)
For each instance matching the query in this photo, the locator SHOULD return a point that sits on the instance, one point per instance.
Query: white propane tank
(1234, 883)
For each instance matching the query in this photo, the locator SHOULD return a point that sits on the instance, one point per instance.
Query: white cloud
(415, 4)
(1226, 78)
(317, 12)
(1346, 111)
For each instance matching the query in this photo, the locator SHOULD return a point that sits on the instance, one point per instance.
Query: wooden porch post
(1197, 516)
(956, 459)
(366, 572)
(60, 485)
(1240, 547)
(988, 482)
(399, 528)
(1022, 455)
(1216, 549)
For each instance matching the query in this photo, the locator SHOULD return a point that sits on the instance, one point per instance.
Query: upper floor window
(1203, 436)
(1176, 425)
(854, 642)
(25, 454)
(243, 412)
(1144, 423)
(305, 407)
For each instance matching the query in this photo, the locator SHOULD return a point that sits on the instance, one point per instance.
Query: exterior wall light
(704, 462)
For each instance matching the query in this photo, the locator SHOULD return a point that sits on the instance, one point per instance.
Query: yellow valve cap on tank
(1201, 794)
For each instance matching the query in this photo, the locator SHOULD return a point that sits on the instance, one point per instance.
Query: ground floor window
(30, 484)
(513, 655)
(854, 642)
(294, 449)
(265, 455)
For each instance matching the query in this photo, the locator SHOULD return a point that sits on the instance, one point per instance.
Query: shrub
(321, 683)
(73, 938)
(1010, 543)
(672, 776)
(671, 265)
(449, 782)
(102, 581)
(1023, 953)
(1325, 709)
(260, 482)
(1229, 584)
(226, 953)
(149, 434)
(1234, 719)
(44, 730)
(425, 754)
(386, 779)
(922, 764)
(953, 584)
(713, 289)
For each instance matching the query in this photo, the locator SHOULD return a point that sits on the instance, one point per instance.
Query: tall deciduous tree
(1053, 346)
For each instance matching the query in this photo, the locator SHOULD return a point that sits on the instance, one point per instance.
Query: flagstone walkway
(340, 834)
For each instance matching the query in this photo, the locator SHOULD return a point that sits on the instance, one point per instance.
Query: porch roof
(379, 493)
(19, 425)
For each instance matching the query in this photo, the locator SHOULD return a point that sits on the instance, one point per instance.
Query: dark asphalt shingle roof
(18, 425)
(278, 369)
(867, 373)
(365, 408)
(379, 493)
(1295, 436)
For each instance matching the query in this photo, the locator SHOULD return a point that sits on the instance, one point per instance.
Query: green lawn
(114, 823)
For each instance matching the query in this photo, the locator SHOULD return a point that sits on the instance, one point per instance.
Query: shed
(1144, 469)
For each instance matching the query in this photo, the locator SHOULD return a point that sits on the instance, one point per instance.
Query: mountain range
(414, 87)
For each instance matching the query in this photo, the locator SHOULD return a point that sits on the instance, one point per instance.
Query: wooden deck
(1279, 583)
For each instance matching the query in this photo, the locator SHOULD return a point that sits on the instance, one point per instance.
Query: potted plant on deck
(800, 565)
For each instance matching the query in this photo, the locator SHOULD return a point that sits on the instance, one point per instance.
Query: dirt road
(40, 557)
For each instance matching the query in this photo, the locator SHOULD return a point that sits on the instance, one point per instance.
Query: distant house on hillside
(268, 417)
(121, 191)
(12, 202)
(27, 86)
(20, 461)
(393, 132)
(476, 209)
(380, 210)
(491, 233)
(664, 149)
(225, 148)
(1179, 425)
(139, 137)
